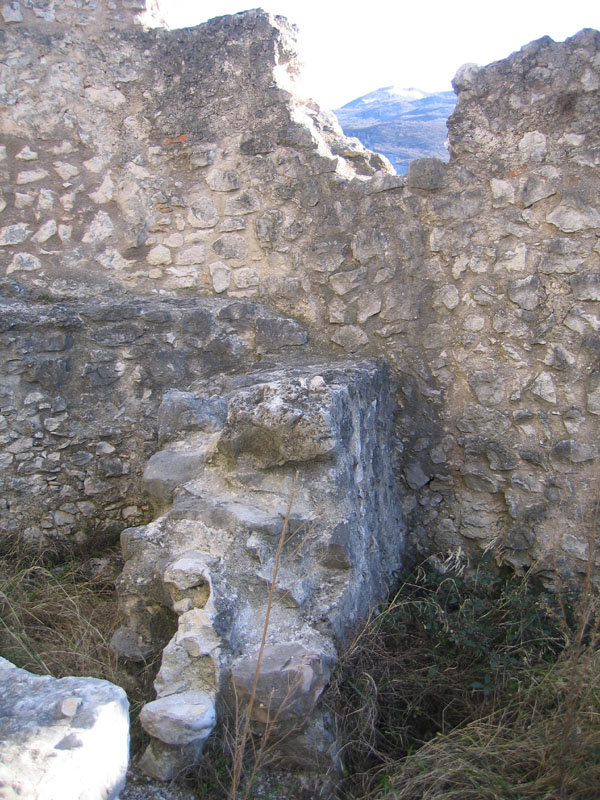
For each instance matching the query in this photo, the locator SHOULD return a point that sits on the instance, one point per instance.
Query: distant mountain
(403, 124)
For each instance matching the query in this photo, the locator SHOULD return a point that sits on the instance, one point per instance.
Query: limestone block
(586, 286)
(202, 213)
(11, 11)
(231, 245)
(526, 293)
(168, 469)
(244, 203)
(543, 387)
(104, 192)
(65, 170)
(465, 77)
(280, 422)
(182, 412)
(273, 334)
(571, 451)
(573, 215)
(220, 274)
(189, 256)
(105, 96)
(245, 278)
(488, 386)
(180, 719)
(13, 234)
(31, 176)
(426, 173)
(100, 228)
(503, 193)
(223, 180)
(593, 393)
(351, 337)
(159, 256)
(538, 186)
(52, 733)
(533, 147)
(290, 681)
(26, 154)
(24, 262)
(45, 232)
(202, 155)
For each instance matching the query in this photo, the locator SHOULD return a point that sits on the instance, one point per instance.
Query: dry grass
(474, 684)
(59, 619)
(55, 620)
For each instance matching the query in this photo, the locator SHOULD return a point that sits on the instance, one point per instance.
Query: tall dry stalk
(241, 740)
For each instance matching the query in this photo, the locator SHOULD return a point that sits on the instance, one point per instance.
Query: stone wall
(177, 165)
(81, 388)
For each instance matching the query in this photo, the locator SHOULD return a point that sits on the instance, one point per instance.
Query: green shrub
(464, 686)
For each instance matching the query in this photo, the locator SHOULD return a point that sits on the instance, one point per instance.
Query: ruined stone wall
(178, 165)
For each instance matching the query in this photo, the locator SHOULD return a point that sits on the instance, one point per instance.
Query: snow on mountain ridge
(410, 93)
(402, 123)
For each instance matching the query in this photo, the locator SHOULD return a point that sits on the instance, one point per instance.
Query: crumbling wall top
(535, 107)
(93, 15)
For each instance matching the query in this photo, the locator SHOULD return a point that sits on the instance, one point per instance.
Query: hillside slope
(403, 124)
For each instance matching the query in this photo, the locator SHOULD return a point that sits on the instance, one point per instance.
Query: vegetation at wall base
(473, 683)
(58, 618)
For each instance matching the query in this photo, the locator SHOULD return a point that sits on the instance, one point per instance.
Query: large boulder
(64, 738)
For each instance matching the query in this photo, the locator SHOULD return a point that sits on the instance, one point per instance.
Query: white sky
(349, 49)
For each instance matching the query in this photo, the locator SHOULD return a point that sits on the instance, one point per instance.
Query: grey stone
(202, 213)
(586, 287)
(280, 422)
(168, 469)
(543, 387)
(246, 202)
(526, 293)
(11, 11)
(273, 334)
(593, 393)
(180, 719)
(574, 215)
(291, 679)
(24, 262)
(533, 147)
(195, 254)
(415, 476)
(503, 193)
(51, 730)
(202, 155)
(350, 337)
(573, 452)
(159, 255)
(465, 76)
(13, 234)
(426, 173)
(181, 412)
(221, 276)
(538, 187)
(488, 387)
(223, 180)
(230, 245)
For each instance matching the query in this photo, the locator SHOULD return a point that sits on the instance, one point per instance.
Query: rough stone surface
(208, 561)
(189, 218)
(66, 738)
